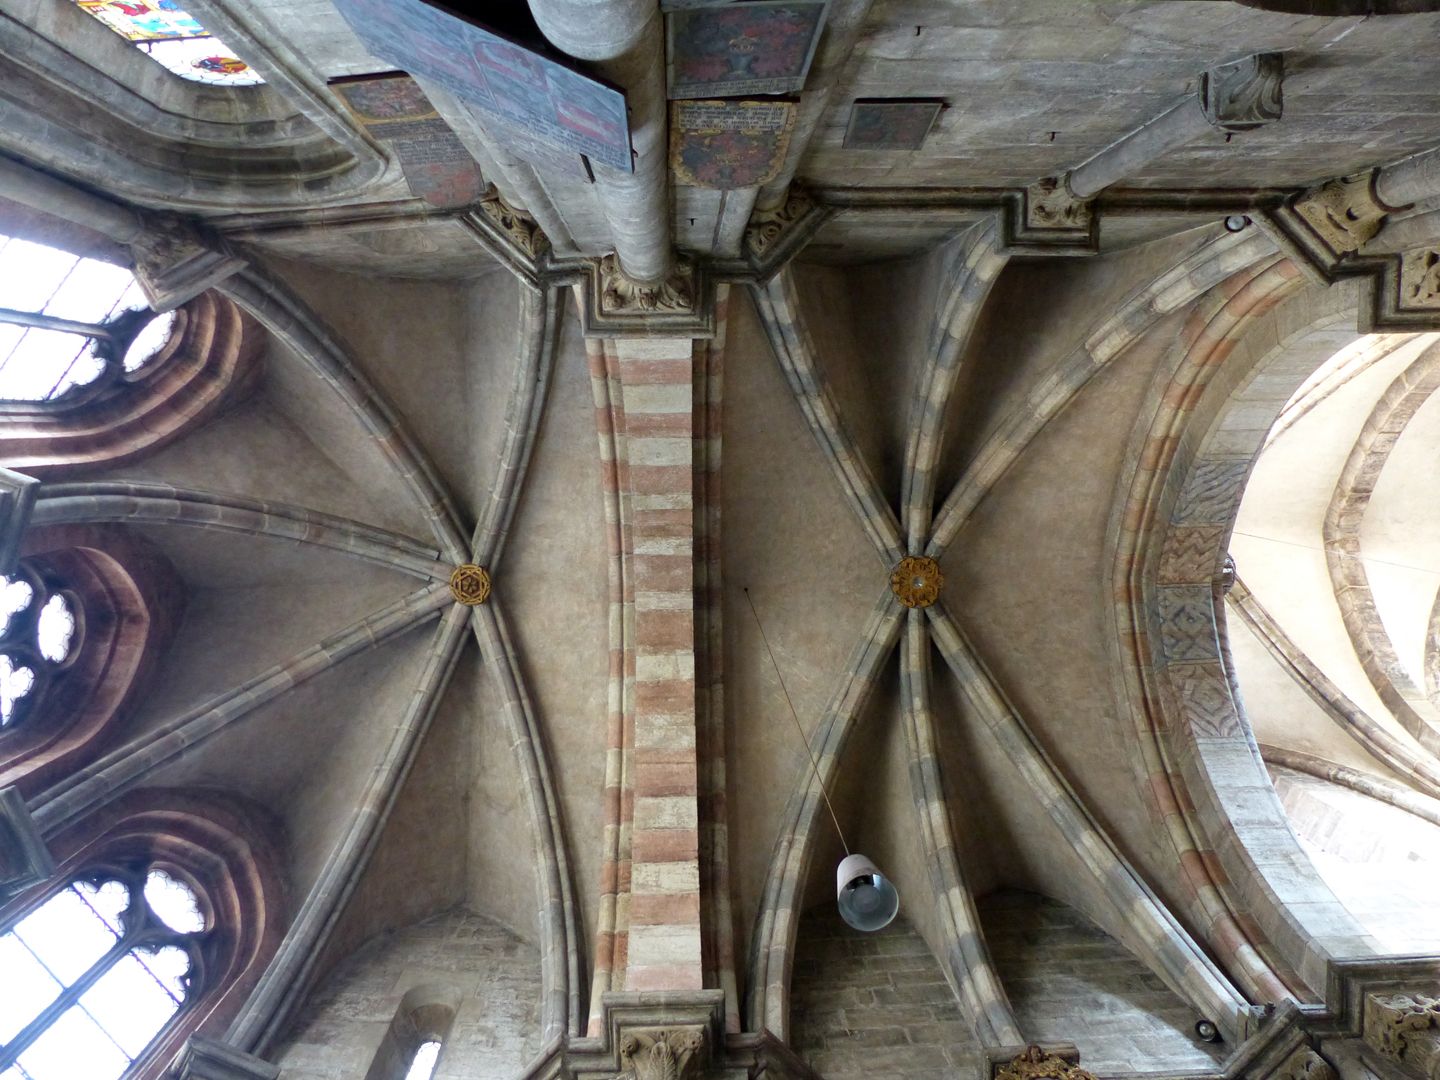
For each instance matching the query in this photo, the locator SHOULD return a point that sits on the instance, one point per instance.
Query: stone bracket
(17, 499)
(773, 236)
(209, 1059)
(510, 235)
(24, 857)
(1046, 219)
(613, 306)
(179, 259)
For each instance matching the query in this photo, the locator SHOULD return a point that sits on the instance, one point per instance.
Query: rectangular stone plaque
(729, 144)
(893, 124)
(733, 50)
(394, 110)
(557, 105)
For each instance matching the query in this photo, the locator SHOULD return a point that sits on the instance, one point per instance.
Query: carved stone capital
(1035, 1063)
(683, 305)
(517, 227)
(208, 1059)
(1046, 217)
(768, 227)
(177, 260)
(1304, 1064)
(663, 1053)
(1420, 279)
(1049, 204)
(1404, 1028)
(24, 857)
(1343, 213)
(1244, 95)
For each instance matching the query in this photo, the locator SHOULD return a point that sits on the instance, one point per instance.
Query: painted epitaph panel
(895, 124)
(732, 50)
(729, 144)
(557, 106)
(394, 110)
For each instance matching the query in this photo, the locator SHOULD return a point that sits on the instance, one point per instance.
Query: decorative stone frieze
(767, 227)
(663, 1053)
(208, 1059)
(24, 857)
(177, 260)
(1035, 1063)
(1245, 94)
(1343, 213)
(1404, 1028)
(516, 226)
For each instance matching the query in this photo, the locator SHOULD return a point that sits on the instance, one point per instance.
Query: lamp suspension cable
(814, 765)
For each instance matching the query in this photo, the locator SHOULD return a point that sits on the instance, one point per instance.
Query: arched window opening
(68, 322)
(422, 1066)
(174, 39)
(38, 639)
(97, 971)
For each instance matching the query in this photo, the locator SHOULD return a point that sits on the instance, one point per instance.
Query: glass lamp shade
(867, 899)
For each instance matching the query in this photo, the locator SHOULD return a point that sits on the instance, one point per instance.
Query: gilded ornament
(916, 580)
(470, 584)
(1036, 1064)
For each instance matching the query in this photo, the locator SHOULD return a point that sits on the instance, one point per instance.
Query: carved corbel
(1343, 213)
(24, 858)
(1047, 217)
(517, 227)
(208, 1059)
(663, 1053)
(1246, 94)
(683, 305)
(177, 260)
(770, 230)
(1404, 1028)
(1035, 1063)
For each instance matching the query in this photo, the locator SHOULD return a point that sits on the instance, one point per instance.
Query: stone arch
(130, 601)
(1265, 909)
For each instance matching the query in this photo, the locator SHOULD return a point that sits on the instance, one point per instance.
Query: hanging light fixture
(867, 899)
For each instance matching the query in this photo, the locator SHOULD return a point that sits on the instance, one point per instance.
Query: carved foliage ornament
(619, 295)
(1344, 213)
(470, 584)
(662, 1054)
(519, 228)
(1049, 205)
(1420, 279)
(1036, 1064)
(767, 226)
(1304, 1064)
(1244, 95)
(1404, 1027)
(916, 580)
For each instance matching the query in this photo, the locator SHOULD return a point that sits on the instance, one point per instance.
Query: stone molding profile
(1245, 94)
(209, 1059)
(1404, 1028)
(17, 500)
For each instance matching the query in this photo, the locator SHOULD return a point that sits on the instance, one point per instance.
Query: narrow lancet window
(422, 1065)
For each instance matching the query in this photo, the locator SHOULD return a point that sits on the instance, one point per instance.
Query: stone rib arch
(1261, 905)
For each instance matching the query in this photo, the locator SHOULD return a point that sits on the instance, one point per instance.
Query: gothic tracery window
(38, 637)
(97, 971)
(68, 322)
(174, 39)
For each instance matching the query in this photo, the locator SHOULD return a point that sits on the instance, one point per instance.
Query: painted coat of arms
(731, 50)
(729, 144)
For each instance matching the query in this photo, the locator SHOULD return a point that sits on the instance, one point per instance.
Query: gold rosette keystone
(916, 581)
(470, 584)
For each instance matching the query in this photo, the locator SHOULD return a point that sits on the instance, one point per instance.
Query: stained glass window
(174, 39)
(38, 628)
(95, 973)
(55, 309)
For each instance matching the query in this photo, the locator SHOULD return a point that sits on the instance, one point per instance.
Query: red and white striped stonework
(657, 416)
